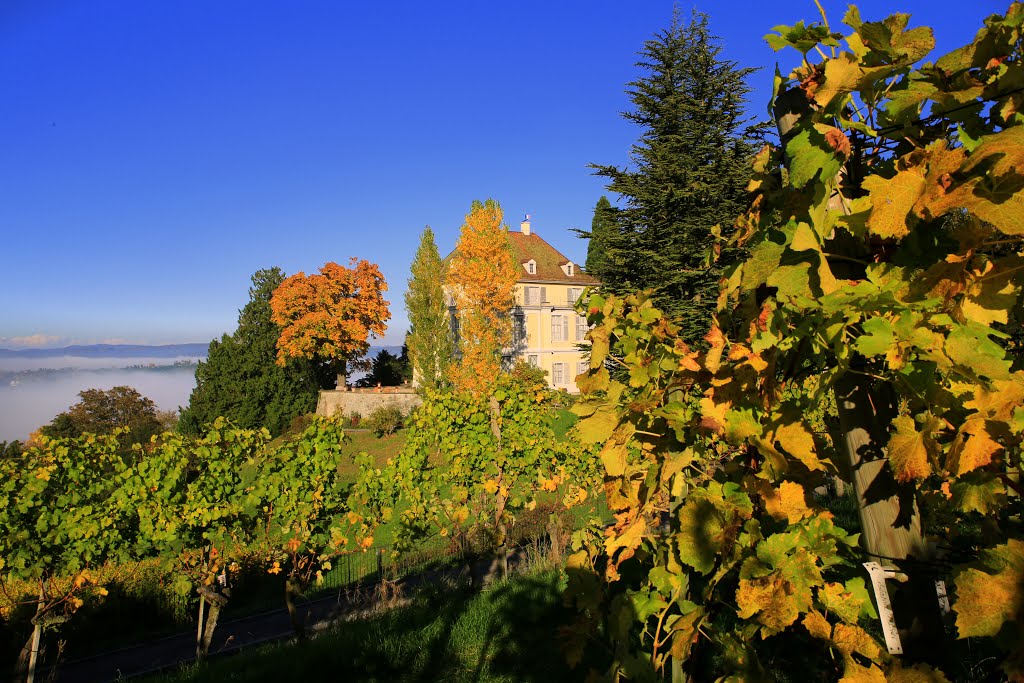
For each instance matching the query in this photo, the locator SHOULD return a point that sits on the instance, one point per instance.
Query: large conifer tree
(601, 228)
(430, 340)
(240, 380)
(689, 172)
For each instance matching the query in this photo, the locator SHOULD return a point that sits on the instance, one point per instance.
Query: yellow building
(546, 329)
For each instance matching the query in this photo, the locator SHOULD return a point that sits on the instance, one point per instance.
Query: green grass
(564, 420)
(379, 448)
(506, 633)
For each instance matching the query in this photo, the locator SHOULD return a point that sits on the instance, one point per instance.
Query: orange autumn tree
(330, 316)
(481, 278)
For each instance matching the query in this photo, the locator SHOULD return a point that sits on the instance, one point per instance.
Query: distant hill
(111, 351)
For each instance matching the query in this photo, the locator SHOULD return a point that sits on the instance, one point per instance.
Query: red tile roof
(549, 261)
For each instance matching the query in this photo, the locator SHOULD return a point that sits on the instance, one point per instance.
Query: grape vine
(885, 268)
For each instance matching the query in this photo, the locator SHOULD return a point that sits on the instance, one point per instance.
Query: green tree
(691, 166)
(430, 340)
(101, 412)
(386, 370)
(602, 229)
(239, 379)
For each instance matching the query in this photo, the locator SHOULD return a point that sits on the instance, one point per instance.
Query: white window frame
(574, 295)
(558, 373)
(533, 360)
(559, 328)
(581, 328)
(582, 367)
(535, 299)
(531, 267)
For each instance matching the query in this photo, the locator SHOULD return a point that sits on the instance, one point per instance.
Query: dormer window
(531, 267)
(569, 268)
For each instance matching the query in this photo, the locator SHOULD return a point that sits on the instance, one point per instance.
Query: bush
(299, 423)
(385, 420)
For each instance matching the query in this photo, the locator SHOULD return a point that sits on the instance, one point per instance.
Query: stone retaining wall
(365, 401)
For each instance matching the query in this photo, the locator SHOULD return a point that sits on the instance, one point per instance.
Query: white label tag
(878, 575)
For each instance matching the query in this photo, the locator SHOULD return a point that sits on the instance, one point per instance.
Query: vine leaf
(989, 597)
(771, 598)
(787, 502)
(910, 451)
(973, 448)
(891, 200)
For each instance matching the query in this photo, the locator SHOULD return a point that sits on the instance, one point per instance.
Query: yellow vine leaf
(855, 673)
(817, 625)
(628, 541)
(985, 601)
(771, 599)
(797, 440)
(892, 199)
(973, 448)
(918, 673)
(989, 299)
(849, 639)
(787, 502)
(998, 403)
(910, 450)
(992, 190)
(713, 414)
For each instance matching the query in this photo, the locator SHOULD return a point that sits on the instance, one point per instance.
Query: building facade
(546, 330)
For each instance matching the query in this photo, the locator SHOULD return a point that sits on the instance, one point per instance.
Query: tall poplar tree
(689, 172)
(481, 276)
(240, 380)
(430, 340)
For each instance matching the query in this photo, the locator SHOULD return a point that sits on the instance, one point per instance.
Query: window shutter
(543, 294)
(565, 328)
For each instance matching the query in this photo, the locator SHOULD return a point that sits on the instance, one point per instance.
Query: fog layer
(33, 400)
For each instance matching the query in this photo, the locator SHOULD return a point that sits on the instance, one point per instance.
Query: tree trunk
(291, 590)
(37, 635)
(217, 601)
(500, 500)
(342, 368)
(199, 629)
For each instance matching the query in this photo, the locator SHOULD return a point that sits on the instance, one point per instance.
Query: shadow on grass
(505, 633)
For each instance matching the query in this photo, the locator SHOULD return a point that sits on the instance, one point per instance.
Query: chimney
(524, 227)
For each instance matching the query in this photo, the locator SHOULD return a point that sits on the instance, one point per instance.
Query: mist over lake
(34, 390)
(32, 399)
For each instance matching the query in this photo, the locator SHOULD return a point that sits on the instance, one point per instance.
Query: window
(581, 328)
(559, 328)
(531, 267)
(574, 295)
(569, 269)
(533, 296)
(455, 328)
(533, 360)
(558, 374)
(582, 367)
(518, 328)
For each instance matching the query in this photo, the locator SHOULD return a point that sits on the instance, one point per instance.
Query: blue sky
(155, 154)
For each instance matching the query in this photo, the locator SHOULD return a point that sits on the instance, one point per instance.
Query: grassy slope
(506, 633)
